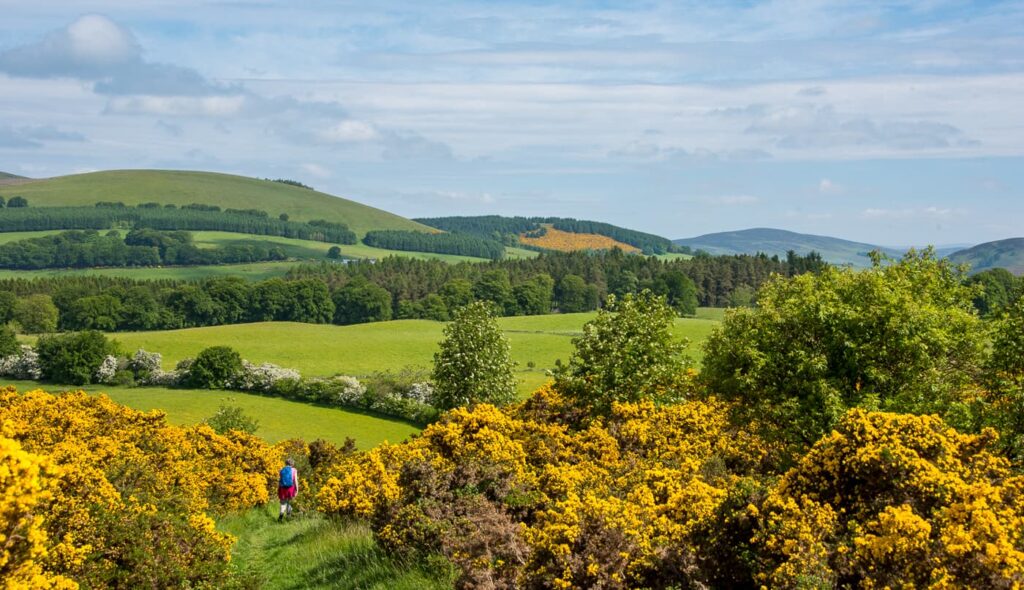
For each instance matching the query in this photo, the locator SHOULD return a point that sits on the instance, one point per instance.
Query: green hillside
(225, 190)
(777, 242)
(9, 176)
(1008, 254)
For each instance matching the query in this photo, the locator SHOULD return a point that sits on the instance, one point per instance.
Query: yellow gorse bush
(895, 500)
(113, 477)
(678, 496)
(610, 502)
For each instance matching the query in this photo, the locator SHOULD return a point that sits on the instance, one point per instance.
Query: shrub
(8, 342)
(230, 418)
(626, 354)
(903, 337)
(214, 368)
(143, 363)
(36, 314)
(74, 358)
(473, 365)
(107, 370)
(24, 364)
(262, 377)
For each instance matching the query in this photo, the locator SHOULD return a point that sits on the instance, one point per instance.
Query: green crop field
(279, 419)
(225, 190)
(366, 348)
(255, 271)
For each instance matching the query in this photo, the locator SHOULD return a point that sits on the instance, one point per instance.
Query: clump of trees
(141, 247)
(441, 243)
(899, 337)
(192, 217)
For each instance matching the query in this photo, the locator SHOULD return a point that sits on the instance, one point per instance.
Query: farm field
(225, 190)
(279, 419)
(318, 349)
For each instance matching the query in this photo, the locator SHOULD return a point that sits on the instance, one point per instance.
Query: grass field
(310, 551)
(366, 348)
(279, 419)
(228, 191)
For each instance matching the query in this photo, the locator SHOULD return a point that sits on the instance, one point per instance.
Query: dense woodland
(140, 247)
(508, 229)
(446, 243)
(196, 217)
(388, 289)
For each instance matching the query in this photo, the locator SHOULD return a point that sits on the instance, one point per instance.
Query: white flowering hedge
(23, 365)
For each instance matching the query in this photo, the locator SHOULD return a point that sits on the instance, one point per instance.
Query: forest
(508, 229)
(140, 247)
(441, 243)
(195, 217)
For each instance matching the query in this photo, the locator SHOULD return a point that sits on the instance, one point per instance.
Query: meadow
(279, 419)
(362, 349)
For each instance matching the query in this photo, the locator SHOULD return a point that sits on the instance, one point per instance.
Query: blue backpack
(287, 477)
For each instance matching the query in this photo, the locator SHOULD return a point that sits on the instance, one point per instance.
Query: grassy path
(310, 551)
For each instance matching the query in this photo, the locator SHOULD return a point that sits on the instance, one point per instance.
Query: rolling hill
(225, 190)
(1008, 254)
(778, 242)
(9, 176)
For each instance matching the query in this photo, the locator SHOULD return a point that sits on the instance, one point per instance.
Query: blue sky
(898, 123)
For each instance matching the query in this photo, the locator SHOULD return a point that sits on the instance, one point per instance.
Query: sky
(895, 123)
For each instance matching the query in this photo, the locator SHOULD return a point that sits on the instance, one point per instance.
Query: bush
(626, 354)
(900, 337)
(143, 363)
(230, 418)
(215, 367)
(473, 365)
(36, 314)
(24, 364)
(74, 358)
(8, 342)
(262, 378)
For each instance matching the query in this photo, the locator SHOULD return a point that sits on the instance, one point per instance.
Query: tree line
(141, 247)
(196, 217)
(508, 229)
(440, 243)
(388, 289)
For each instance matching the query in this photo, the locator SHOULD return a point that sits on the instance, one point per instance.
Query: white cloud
(827, 186)
(316, 170)
(89, 47)
(197, 106)
(349, 131)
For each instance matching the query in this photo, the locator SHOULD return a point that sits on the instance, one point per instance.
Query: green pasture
(225, 190)
(279, 419)
(320, 349)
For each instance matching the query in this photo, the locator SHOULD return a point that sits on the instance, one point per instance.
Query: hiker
(287, 487)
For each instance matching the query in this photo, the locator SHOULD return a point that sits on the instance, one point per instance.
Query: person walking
(287, 488)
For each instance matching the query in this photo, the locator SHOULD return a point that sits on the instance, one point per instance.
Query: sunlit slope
(225, 190)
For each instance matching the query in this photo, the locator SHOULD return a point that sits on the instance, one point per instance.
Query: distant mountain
(9, 176)
(778, 242)
(1008, 254)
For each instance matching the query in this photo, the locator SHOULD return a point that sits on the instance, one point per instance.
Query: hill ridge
(774, 241)
(181, 187)
(1007, 253)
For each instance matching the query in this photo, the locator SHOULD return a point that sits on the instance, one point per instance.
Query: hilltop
(1008, 254)
(225, 190)
(9, 176)
(778, 242)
